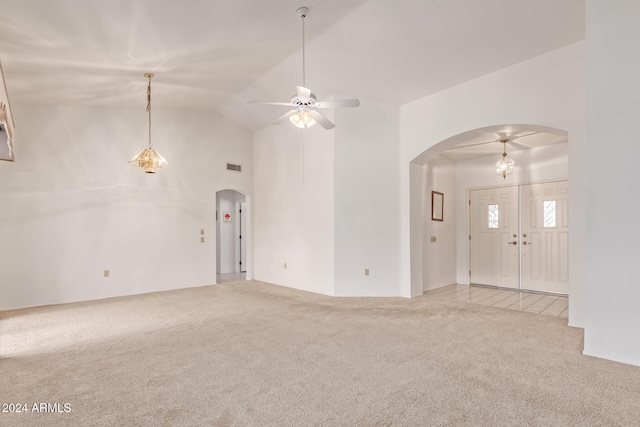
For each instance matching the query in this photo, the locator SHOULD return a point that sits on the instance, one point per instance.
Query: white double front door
(519, 237)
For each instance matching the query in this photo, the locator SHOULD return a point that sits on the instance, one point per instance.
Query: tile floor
(550, 305)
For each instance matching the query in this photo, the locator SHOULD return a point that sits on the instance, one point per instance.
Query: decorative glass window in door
(493, 214)
(549, 207)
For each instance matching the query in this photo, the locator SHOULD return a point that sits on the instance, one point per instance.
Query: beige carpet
(253, 354)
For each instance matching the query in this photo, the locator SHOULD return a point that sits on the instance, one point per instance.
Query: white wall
(548, 91)
(612, 153)
(535, 165)
(227, 242)
(72, 206)
(326, 203)
(439, 257)
(294, 207)
(366, 198)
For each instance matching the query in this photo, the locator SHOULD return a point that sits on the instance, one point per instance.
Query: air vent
(232, 167)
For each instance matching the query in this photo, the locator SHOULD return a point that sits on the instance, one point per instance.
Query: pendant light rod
(303, 11)
(149, 76)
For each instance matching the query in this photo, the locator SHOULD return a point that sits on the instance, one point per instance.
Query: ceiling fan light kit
(149, 159)
(302, 119)
(305, 113)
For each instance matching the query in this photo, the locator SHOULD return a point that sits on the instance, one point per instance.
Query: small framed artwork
(437, 204)
(6, 123)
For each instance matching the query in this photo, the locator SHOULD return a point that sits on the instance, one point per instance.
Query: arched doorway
(231, 236)
(440, 249)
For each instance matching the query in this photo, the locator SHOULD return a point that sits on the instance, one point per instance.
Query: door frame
(247, 236)
(468, 207)
(241, 235)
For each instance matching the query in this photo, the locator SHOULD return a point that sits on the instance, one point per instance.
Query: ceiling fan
(503, 137)
(305, 112)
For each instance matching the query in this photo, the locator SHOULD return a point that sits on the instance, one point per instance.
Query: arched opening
(232, 236)
(440, 250)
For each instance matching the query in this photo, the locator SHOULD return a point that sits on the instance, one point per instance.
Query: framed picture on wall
(6, 123)
(437, 204)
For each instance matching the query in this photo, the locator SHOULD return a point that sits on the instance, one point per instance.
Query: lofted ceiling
(217, 54)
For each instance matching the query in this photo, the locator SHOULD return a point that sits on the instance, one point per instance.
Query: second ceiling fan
(305, 112)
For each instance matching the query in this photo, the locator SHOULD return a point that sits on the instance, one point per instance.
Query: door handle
(513, 243)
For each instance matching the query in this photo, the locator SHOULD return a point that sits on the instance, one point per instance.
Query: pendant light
(149, 159)
(505, 165)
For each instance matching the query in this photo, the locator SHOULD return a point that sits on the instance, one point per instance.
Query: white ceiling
(218, 54)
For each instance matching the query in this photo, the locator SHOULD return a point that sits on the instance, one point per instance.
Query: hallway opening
(231, 236)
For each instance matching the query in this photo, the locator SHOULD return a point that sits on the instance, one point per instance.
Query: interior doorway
(231, 236)
(241, 247)
(519, 237)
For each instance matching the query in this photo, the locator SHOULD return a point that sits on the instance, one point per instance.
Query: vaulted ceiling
(217, 54)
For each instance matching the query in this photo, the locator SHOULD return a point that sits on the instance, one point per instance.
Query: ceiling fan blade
(524, 135)
(324, 122)
(473, 144)
(270, 103)
(338, 103)
(303, 93)
(512, 136)
(514, 146)
(284, 117)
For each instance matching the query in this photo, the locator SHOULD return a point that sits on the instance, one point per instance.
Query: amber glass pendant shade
(149, 159)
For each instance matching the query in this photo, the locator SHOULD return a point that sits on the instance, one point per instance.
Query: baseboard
(613, 359)
(439, 287)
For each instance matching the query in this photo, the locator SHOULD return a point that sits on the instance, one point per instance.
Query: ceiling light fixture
(302, 118)
(505, 165)
(149, 159)
(305, 112)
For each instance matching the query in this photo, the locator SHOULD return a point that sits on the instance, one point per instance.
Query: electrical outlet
(433, 239)
(202, 232)
(285, 265)
(106, 273)
(201, 239)
(366, 271)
